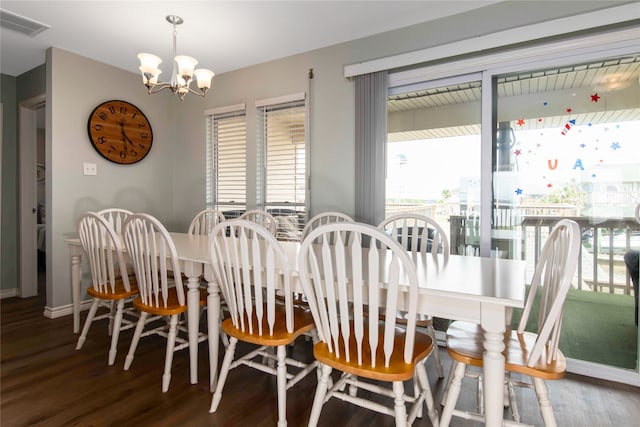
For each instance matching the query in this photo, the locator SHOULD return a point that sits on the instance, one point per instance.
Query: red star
(539, 120)
(520, 122)
(595, 97)
(517, 152)
(549, 185)
(569, 110)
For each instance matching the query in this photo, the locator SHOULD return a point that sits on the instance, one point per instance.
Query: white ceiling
(222, 35)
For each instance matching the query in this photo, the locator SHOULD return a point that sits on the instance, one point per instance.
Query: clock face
(120, 132)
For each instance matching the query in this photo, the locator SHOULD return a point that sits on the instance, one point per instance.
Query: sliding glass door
(562, 139)
(567, 146)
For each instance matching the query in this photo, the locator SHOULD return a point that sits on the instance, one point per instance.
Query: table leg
(493, 364)
(76, 274)
(193, 272)
(213, 328)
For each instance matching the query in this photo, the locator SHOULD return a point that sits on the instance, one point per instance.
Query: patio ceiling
(542, 99)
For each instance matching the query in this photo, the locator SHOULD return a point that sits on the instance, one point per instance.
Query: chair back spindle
(155, 260)
(249, 265)
(348, 282)
(104, 252)
(417, 233)
(204, 221)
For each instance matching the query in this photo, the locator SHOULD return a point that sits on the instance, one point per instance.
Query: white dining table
(474, 289)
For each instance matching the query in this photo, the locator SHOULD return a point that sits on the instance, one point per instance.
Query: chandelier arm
(201, 92)
(158, 87)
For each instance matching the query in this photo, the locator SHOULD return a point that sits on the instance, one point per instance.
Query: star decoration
(519, 191)
(517, 152)
(583, 145)
(615, 146)
(545, 103)
(520, 122)
(569, 110)
(539, 120)
(595, 97)
(549, 185)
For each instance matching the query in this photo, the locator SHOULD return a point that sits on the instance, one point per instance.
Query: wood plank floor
(46, 382)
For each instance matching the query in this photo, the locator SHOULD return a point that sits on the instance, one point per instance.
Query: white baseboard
(64, 310)
(8, 293)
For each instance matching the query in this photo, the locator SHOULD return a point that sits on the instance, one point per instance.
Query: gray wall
(9, 261)
(76, 85)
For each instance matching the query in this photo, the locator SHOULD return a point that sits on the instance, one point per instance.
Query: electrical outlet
(90, 169)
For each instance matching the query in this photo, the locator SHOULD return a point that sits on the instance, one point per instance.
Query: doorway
(32, 194)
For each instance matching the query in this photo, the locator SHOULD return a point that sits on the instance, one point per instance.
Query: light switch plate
(90, 169)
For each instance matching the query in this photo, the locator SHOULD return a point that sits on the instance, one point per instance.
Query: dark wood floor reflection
(46, 382)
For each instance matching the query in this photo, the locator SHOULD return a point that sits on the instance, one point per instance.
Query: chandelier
(182, 73)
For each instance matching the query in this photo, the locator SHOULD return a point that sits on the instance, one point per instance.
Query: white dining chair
(263, 218)
(162, 294)
(322, 219)
(109, 279)
(419, 234)
(337, 280)
(534, 354)
(115, 217)
(249, 265)
(204, 221)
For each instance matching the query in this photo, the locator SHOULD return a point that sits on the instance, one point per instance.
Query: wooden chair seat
(120, 291)
(464, 344)
(173, 306)
(302, 319)
(397, 370)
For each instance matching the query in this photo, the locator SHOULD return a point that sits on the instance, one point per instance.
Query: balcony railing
(601, 265)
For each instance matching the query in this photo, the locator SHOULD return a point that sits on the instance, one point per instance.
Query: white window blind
(282, 174)
(227, 160)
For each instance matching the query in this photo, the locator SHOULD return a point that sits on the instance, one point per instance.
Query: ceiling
(616, 80)
(222, 35)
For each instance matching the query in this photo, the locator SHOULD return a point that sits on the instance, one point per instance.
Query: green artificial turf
(596, 327)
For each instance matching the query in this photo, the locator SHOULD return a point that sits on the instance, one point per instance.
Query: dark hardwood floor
(46, 382)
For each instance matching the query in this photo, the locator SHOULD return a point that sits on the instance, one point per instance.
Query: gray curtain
(371, 138)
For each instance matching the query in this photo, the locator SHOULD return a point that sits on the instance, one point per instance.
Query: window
(226, 160)
(282, 162)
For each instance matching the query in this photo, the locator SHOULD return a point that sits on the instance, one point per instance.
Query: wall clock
(120, 132)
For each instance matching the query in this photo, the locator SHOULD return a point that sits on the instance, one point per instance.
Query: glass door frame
(596, 46)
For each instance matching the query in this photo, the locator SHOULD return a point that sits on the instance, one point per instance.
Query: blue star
(583, 145)
(615, 145)
(519, 191)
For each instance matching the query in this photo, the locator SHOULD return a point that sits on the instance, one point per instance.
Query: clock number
(102, 140)
(97, 127)
(142, 125)
(123, 154)
(111, 149)
(134, 153)
(144, 135)
(123, 109)
(102, 115)
(134, 115)
(112, 110)
(141, 146)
